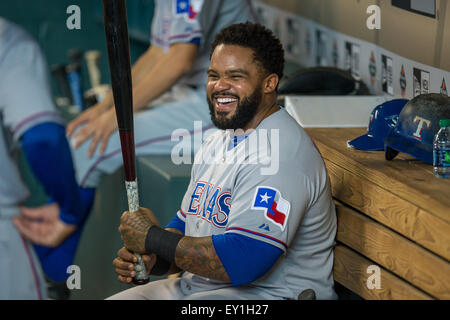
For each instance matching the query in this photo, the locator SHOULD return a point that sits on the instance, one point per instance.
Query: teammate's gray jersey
(25, 101)
(184, 20)
(26, 98)
(278, 193)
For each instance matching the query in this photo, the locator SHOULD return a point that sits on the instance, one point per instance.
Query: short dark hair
(267, 48)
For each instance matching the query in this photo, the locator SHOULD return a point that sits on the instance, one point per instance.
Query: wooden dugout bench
(392, 214)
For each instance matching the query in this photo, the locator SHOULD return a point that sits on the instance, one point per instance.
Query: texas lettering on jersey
(210, 203)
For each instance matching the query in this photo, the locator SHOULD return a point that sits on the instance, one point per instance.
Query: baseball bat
(74, 77)
(76, 85)
(75, 56)
(97, 92)
(92, 57)
(60, 75)
(116, 31)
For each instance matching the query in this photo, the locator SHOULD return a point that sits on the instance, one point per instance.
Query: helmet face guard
(416, 127)
(382, 119)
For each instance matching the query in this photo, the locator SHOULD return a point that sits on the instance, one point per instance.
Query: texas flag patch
(190, 8)
(276, 209)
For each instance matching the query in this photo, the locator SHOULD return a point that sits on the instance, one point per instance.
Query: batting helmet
(382, 119)
(322, 81)
(416, 127)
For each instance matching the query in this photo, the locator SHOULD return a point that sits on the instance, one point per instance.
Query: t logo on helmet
(422, 122)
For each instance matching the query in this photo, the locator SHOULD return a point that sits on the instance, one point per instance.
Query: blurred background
(45, 20)
(408, 55)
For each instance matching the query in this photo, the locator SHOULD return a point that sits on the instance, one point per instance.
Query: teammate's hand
(87, 115)
(42, 225)
(134, 227)
(124, 264)
(99, 126)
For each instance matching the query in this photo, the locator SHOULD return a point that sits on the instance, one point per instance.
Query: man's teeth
(226, 100)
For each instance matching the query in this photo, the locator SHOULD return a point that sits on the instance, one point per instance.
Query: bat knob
(140, 282)
(307, 294)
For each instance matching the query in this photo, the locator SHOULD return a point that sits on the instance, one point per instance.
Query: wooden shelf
(395, 214)
(351, 268)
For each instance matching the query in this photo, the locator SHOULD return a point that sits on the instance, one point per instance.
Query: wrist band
(162, 242)
(161, 266)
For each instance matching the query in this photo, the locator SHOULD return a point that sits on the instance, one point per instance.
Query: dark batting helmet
(416, 127)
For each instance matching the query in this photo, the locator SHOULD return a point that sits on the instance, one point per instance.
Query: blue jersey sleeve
(245, 259)
(177, 223)
(48, 154)
(196, 41)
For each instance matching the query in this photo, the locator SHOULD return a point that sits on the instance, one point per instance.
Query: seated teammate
(168, 87)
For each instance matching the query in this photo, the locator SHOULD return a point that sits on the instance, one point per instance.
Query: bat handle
(133, 206)
(92, 58)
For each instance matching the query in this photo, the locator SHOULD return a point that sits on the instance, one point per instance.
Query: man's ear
(271, 83)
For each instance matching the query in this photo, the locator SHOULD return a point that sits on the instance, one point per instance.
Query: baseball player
(242, 232)
(28, 119)
(168, 86)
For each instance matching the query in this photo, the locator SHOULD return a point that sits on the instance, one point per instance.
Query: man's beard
(245, 110)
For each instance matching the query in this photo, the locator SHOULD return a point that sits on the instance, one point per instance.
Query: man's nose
(221, 85)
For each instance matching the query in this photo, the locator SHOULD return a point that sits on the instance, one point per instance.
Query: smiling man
(240, 234)
(235, 88)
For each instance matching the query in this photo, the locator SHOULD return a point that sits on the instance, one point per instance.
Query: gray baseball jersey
(25, 102)
(186, 20)
(24, 84)
(271, 187)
